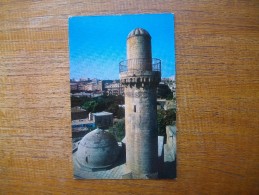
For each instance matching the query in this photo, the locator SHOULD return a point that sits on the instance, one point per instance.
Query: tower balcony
(140, 72)
(140, 65)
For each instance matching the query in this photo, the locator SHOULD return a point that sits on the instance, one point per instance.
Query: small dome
(97, 149)
(138, 32)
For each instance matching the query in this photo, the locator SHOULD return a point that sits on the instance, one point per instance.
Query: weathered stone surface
(170, 146)
(97, 149)
(139, 47)
(140, 107)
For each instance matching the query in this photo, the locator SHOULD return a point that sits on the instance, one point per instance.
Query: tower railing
(143, 64)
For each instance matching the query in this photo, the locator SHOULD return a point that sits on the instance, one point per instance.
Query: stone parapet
(142, 79)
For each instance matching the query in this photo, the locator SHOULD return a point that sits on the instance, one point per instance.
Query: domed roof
(138, 32)
(98, 138)
(97, 149)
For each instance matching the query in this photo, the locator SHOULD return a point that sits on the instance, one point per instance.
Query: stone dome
(138, 32)
(97, 149)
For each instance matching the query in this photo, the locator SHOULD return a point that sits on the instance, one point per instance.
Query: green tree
(170, 96)
(118, 129)
(165, 118)
(121, 113)
(78, 101)
(90, 106)
(113, 108)
(163, 91)
(105, 103)
(161, 122)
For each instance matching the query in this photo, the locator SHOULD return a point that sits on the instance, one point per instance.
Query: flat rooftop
(102, 113)
(81, 121)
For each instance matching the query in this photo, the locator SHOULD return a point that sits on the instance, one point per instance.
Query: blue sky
(98, 43)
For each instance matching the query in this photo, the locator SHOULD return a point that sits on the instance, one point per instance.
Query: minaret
(140, 76)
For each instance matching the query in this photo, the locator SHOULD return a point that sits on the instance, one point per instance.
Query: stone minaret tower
(140, 75)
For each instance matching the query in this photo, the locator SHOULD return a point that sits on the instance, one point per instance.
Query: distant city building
(81, 87)
(83, 79)
(73, 86)
(114, 88)
(100, 85)
(92, 86)
(86, 85)
(88, 94)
